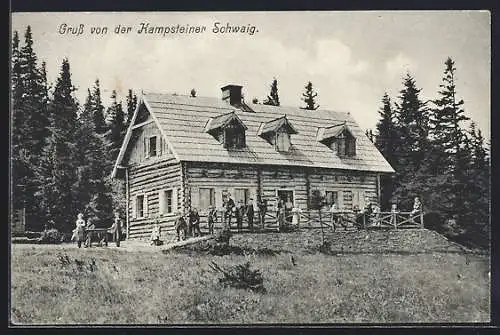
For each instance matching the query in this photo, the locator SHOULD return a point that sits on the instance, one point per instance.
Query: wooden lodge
(186, 151)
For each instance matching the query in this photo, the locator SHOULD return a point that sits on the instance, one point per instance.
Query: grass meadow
(61, 284)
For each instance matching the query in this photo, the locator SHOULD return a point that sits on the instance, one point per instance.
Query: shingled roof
(183, 120)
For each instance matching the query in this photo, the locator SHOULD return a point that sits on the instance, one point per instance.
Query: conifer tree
(309, 97)
(98, 109)
(386, 140)
(94, 194)
(412, 124)
(57, 169)
(131, 105)
(115, 133)
(446, 118)
(273, 98)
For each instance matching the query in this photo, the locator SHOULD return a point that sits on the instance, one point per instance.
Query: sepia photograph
(250, 168)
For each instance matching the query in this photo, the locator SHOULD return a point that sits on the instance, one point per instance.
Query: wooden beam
(139, 125)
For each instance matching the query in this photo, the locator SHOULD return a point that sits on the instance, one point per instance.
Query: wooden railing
(315, 219)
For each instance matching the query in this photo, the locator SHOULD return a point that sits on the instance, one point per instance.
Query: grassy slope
(134, 287)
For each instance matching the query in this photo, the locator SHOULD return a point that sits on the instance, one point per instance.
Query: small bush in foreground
(241, 276)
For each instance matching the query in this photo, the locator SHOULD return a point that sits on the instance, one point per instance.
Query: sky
(351, 58)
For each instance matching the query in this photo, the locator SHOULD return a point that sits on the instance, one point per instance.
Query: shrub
(52, 236)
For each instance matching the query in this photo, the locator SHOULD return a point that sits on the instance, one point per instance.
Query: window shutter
(159, 145)
(174, 200)
(218, 197)
(146, 150)
(161, 200)
(134, 208)
(145, 205)
(341, 200)
(361, 199)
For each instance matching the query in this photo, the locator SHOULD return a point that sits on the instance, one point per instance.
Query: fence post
(421, 219)
(364, 221)
(394, 217)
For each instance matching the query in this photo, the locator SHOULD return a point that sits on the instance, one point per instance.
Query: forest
(62, 152)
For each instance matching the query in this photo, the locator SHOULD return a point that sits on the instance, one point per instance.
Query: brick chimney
(232, 93)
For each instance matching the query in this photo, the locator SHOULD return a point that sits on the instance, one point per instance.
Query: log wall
(149, 180)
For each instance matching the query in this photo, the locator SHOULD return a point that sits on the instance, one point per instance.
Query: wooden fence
(317, 219)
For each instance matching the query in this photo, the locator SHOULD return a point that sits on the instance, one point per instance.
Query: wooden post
(127, 196)
(394, 217)
(364, 221)
(421, 219)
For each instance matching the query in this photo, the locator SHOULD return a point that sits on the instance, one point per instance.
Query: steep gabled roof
(183, 120)
(273, 125)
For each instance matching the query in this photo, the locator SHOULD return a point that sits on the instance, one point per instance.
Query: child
(79, 231)
(334, 218)
(155, 234)
(212, 218)
(115, 229)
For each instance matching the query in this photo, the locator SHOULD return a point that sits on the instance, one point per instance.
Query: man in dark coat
(180, 225)
(250, 213)
(262, 212)
(230, 207)
(194, 222)
(212, 218)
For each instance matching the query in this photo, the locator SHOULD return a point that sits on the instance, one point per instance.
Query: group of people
(80, 233)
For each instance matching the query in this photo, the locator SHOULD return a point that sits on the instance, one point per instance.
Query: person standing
(212, 218)
(239, 215)
(250, 213)
(262, 212)
(116, 229)
(180, 226)
(79, 231)
(230, 208)
(194, 222)
(334, 217)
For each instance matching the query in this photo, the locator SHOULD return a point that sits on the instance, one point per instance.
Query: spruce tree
(92, 189)
(273, 98)
(98, 109)
(446, 118)
(116, 128)
(131, 105)
(19, 164)
(309, 97)
(412, 124)
(386, 140)
(57, 170)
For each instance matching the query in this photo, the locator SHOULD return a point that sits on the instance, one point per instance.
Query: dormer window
(278, 133)
(234, 136)
(228, 129)
(339, 139)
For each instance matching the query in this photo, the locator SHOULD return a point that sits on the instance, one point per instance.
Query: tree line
(439, 154)
(62, 153)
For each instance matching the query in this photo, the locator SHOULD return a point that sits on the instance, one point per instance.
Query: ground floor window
(140, 206)
(166, 201)
(331, 197)
(207, 198)
(241, 194)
